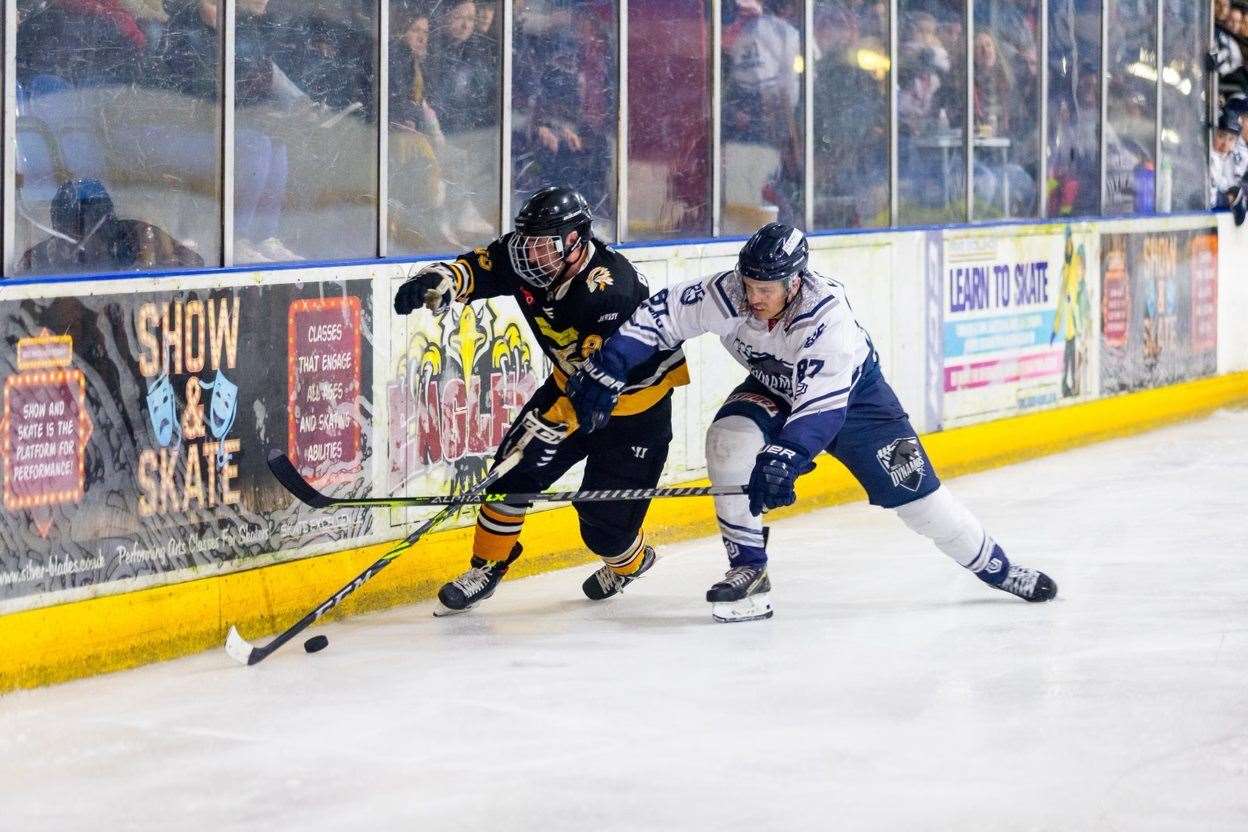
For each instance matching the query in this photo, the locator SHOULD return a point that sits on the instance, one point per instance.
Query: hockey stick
(284, 470)
(244, 652)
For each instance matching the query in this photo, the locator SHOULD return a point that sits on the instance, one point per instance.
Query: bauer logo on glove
(776, 468)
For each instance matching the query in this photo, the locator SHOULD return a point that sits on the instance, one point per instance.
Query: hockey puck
(316, 643)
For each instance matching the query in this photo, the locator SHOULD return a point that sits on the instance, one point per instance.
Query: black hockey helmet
(80, 208)
(775, 252)
(540, 246)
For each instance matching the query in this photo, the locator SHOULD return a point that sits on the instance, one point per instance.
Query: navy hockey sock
(997, 568)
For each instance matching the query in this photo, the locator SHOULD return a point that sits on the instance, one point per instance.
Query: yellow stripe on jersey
(630, 404)
(465, 282)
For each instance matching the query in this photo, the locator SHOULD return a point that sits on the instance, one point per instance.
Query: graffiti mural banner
(1159, 308)
(137, 426)
(1017, 321)
(459, 381)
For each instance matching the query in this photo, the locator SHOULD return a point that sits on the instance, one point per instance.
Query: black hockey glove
(537, 440)
(593, 392)
(432, 287)
(776, 468)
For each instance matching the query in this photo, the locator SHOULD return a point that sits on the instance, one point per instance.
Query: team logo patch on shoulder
(904, 462)
(599, 277)
(814, 336)
(692, 294)
(590, 345)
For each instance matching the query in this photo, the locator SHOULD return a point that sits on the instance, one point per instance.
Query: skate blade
(442, 610)
(752, 608)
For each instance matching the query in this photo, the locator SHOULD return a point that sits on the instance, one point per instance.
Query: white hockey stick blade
(239, 648)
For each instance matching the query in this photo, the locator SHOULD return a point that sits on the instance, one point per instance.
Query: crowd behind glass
(119, 127)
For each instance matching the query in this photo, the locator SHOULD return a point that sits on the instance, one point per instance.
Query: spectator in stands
(1226, 182)
(417, 193)
(923, 178)
(561, 133)
(850, 122)
(951, 35)
(190, 59)
(994, 87)
(1228, 53)
(81, 42)
(1075, 147)
(87, 236)
(761, 51)
(487, 10)
(993, 96)
(1238, 106)
(923, 40)
(333, 64)
(409, 102)
(463, 90)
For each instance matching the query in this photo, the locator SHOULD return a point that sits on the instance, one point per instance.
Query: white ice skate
(743, 595)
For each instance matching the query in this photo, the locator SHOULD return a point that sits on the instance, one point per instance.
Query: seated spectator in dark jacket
(333, 64)
(88, 237)
(462, 87)
(409, 53)
(417, 194)
(84, 42)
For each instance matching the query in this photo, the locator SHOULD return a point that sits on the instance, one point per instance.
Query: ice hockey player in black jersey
(575, 292)
(814, 385)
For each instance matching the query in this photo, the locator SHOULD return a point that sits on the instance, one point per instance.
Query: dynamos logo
(904, 462)
(771, 370)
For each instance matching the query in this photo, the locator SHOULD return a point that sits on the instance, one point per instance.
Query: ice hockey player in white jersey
(814, 384)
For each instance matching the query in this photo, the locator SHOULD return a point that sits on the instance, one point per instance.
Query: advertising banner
(137, 426)
(1159, 308)
(459, 380)
(1017, 321)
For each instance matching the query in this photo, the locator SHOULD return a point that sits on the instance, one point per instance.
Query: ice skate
(1028, 584)
(742, 595)
(475, 585)
(606, 582)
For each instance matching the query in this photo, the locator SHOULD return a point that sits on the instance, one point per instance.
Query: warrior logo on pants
(903, 460)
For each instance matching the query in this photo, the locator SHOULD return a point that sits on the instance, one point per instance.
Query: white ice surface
(891, 691)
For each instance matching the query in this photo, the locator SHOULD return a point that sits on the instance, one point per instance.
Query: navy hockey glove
(432, 287)
(593, 392)
(537, 440)
(776, 468)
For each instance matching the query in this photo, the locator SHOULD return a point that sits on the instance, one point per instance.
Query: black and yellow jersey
(572, 319)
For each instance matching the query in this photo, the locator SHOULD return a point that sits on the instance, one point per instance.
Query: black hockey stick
(284, 470)
(244, 652)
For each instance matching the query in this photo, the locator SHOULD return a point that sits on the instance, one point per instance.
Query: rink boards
(140, 520)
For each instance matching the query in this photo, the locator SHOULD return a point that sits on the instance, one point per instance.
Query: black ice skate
(606, 582)
(1028, 584)
(475, 585)
(742, 595)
